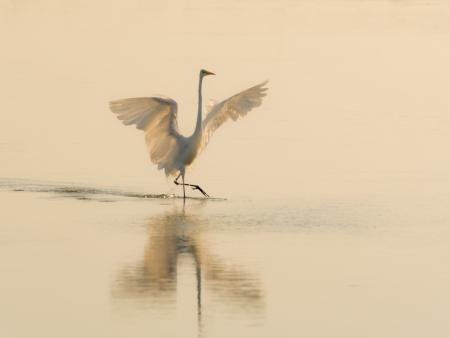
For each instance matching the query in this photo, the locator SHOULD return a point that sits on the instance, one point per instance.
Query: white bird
(157, 117)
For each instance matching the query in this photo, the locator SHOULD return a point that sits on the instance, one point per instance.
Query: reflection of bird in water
(157, 117)
(154, 278)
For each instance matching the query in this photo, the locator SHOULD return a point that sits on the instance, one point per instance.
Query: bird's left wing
(232, 108)
(143, 111)
(157, 117)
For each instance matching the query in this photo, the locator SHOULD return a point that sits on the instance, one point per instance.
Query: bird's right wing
(232, 108)
(157, 117)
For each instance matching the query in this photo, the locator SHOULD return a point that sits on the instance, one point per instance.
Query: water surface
(318, 266)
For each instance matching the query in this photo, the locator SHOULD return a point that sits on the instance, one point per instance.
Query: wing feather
(232, 108)
(157, 117)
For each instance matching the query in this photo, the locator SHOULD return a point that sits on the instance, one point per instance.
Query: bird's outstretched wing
(232, 108)
(157, 117)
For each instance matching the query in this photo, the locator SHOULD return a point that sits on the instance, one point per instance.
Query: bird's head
(205, 72)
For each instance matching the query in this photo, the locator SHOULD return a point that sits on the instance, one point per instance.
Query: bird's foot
(196, 187)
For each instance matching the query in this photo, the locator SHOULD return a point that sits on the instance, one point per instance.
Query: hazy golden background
(358, 99)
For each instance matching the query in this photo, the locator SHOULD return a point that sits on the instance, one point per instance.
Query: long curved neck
(198, 126)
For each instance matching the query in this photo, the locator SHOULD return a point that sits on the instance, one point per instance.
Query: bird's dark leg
(177, 183)
(194, 187)
(184, 191)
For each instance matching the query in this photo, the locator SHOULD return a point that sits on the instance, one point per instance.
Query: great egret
(157, 117)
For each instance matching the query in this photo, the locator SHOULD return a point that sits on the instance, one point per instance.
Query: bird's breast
(191, 150)
(190, 155)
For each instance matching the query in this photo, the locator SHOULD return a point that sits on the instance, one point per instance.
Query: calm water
(89, 262)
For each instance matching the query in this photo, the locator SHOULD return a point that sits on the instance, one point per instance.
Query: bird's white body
(157, 117)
